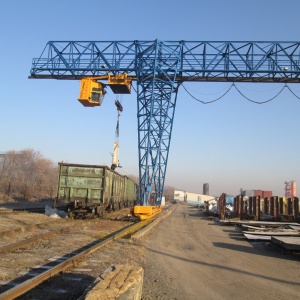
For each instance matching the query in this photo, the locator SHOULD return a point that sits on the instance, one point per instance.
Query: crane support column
(157, 94)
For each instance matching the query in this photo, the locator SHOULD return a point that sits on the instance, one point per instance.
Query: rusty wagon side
(93, 189)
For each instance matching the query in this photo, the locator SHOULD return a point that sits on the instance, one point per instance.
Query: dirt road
(191, 258)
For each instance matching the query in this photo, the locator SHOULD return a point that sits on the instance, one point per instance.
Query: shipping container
(93, 189)
(258, 193)
(267, 194)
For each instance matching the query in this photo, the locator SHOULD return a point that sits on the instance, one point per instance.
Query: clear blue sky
(229, 144)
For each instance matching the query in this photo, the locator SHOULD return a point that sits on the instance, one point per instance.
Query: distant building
(192, 198)
(205, 189)
(198, 199)
(248, 193)
(260, 193)
(290, 189)
(179, 195)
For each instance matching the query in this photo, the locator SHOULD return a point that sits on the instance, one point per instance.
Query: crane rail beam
(188, 79)
(211, 60)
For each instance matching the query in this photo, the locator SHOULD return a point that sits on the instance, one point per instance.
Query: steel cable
(293, 92)
(208, 102)
(253, 101)
(256, 102)
(233, 85)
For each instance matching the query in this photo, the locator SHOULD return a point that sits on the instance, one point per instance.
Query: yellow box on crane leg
(146, 212)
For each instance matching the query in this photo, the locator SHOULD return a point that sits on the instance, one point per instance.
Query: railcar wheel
(100, 211)
(71, 214)
(93, 213)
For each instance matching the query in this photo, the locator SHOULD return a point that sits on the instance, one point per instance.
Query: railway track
(35, 209)
(27, 209)
(31, 227)
(36, 275)
(32, 240)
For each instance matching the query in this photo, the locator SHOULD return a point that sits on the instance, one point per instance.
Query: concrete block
(118, 282)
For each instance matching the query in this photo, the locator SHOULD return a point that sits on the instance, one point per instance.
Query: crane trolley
(120, 83)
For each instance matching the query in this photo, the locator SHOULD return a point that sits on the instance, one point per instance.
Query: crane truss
(159, 68)
(200, 61)
(157, 94)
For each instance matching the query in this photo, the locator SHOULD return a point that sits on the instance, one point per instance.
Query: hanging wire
(119, 109)
(293, 92)
(233, 85)
(117, 133)
(256, 102)
(208, 102)
(253, 101)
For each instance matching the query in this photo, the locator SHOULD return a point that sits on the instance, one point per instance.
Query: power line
(243, 95)
(208, 102)
(263, 102)
(292, 92)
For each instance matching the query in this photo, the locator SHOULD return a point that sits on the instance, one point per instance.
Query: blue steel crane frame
(159, 67)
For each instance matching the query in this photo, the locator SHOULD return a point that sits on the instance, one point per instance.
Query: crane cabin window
(96, 95)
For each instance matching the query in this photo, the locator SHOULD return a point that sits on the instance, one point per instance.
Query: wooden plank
(294, 227)
(257, 237)
(275, 233)
(254, 227)
(258, 223)
(289, 243)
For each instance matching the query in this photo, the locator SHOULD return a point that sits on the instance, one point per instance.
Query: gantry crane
(159, 68)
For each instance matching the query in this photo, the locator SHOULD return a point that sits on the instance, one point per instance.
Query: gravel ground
(81, 232)
(18, 226)
(186, 256)
(191, 257)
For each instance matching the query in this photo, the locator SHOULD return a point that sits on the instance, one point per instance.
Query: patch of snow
(55, 213)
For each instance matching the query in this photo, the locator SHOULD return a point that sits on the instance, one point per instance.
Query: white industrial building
(179, 195)
(192, 198)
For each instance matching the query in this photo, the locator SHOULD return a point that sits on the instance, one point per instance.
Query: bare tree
(27, 174)
(169, 193)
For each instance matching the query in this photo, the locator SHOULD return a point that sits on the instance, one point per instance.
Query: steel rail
(31, 227)
(33, 282)
(9, 211)
(35, 209)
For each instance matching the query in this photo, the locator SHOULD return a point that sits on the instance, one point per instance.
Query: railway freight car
(91, 190)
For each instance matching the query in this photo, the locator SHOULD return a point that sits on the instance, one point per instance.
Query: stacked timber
(283, 234)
